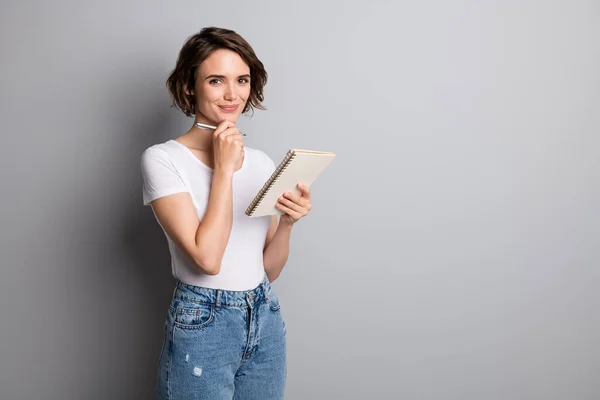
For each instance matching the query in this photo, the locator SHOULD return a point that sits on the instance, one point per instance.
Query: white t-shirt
(171, 167)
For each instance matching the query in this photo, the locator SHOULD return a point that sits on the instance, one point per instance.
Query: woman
(224, 333)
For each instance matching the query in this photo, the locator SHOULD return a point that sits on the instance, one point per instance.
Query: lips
(229, 109)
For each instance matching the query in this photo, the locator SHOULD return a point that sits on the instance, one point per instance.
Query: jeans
(222, 344)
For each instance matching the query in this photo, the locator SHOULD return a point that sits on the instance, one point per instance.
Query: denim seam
(197, 326)
(166, 339)
(170, 362)
(207, 302)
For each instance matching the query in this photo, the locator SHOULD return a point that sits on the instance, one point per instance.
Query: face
(222, 87)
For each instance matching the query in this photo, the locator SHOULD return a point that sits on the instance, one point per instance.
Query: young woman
(224, 333)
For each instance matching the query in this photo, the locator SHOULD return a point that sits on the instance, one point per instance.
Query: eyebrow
(223, 76)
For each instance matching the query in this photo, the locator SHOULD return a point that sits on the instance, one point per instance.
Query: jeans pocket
(193, 316)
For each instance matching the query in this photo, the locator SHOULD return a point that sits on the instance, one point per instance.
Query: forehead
(224, 62)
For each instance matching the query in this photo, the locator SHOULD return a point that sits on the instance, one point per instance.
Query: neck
(202, 139)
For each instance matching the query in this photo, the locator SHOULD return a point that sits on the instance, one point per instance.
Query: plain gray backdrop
(453, 248)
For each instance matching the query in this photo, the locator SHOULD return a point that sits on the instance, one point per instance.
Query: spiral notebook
(297, 166)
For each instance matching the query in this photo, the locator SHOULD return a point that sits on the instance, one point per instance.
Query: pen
(204, 126)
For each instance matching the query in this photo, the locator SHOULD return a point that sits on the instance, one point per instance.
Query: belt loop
(218, 302)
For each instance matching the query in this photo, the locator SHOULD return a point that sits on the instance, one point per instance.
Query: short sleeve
(159, 176)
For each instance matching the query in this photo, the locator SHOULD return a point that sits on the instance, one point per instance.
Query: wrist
(285, 223)
(225, 172)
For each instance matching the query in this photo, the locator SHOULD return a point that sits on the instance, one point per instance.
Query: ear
(188, 91)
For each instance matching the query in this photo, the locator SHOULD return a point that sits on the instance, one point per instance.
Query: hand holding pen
(228, 145)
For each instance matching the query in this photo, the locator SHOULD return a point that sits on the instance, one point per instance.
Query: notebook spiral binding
(267, 186)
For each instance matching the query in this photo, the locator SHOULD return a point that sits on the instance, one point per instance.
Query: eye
(214, 81)
(244, 80)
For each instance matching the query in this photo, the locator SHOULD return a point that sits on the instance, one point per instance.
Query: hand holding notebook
(298, 165)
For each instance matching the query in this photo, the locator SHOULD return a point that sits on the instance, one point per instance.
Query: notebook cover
(305, 166)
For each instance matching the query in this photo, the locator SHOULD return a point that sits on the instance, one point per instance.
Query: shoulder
(158, 150)
(157, 155)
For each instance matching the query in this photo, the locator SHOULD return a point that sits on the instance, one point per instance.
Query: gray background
(453, 248)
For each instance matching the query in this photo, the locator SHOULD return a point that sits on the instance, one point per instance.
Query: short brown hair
(196, 49)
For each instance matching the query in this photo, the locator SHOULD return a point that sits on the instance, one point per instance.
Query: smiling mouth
(229, 108)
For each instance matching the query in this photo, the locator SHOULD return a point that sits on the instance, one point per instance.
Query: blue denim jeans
(222, 344)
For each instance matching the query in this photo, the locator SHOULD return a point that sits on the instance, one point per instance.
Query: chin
(231, 118)
(228, 117)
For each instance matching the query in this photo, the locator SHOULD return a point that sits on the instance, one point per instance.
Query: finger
(304, 189)
(288, 211)
(223, 125)
(296, 199)
(291, 205)
(231, 139)
(232, 131)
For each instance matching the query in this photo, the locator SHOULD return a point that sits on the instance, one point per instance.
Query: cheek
(246, 92)
(209, 94)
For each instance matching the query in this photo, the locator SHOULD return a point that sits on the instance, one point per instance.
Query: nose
(230, 94)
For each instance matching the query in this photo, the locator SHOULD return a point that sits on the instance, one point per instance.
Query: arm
(277, 247)
(277, 244)
(204, 242)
